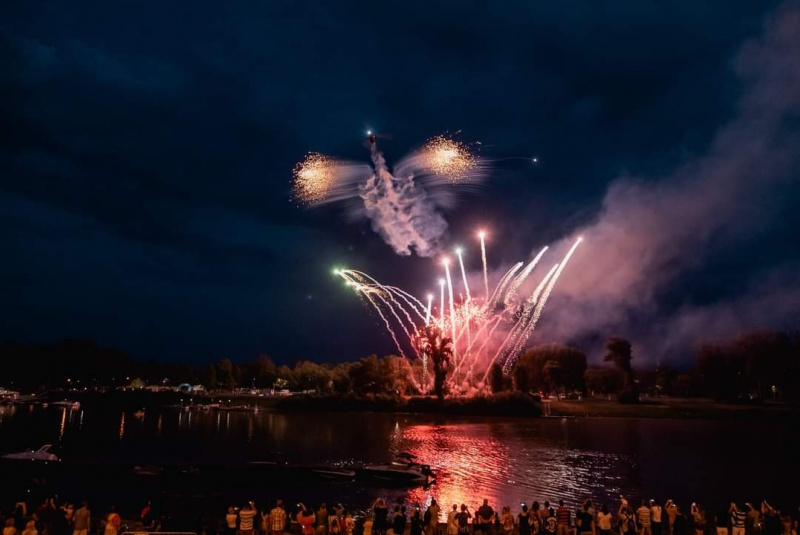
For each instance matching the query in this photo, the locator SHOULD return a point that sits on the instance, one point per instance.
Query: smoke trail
(485, 270)
(400, 211)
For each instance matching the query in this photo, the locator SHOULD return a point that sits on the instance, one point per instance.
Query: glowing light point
(441, 282)
(459, 250)
(445, 261)
(369, 132)
(535, 159)
(482, 234)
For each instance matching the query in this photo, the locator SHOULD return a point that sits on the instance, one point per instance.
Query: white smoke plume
(650, 233)
(400, 211)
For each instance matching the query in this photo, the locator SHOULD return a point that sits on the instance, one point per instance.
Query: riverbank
(675, 408)
(506, 404)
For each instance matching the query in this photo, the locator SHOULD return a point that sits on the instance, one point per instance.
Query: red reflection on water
(471, 467)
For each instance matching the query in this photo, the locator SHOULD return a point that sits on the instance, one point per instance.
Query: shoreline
(503, 405)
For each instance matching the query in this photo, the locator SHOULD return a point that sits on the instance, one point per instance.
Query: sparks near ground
(485, 330)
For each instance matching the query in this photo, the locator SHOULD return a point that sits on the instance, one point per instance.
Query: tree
(226, 374)
(497, 379)
(618, 351)
(264, 371)
(439, 350)
(570, 361)
(210, 379)
(552, 374)
(522, 381)
(603, 380)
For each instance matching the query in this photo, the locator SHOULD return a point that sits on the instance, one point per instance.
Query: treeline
(752, 367)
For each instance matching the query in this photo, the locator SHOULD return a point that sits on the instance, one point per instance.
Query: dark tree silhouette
(439, 350)
(618, 351)
(497, 380)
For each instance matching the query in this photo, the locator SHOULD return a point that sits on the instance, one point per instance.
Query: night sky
(146, 152)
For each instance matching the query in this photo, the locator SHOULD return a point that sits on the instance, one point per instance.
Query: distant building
(8, 395)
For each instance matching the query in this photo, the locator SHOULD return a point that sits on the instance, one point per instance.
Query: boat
(42, 454)
(73, 405)
(404, 470)
(149, 470)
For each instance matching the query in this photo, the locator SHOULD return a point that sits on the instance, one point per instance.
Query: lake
(505, 460)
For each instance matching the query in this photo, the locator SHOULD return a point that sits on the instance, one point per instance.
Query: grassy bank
(510, 404)
(672, 408)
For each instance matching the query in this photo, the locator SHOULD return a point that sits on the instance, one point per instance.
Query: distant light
(535, 159)
(459, 251)
(369, 132)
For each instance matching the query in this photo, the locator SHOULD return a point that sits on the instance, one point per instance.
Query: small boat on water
(72, 405)
(42, 454)
(304, 471)
(403, 471)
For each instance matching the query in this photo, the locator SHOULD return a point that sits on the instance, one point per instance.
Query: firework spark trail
(498, 292)
(402, 295)
(540, 305)
(476, 327)
(497, 321)
(452, 306)
(415, 302)
(520, 325)
(390, 291)
(463, 273)
(399, 320)
(469, 298)
(482, 236)
(385, 296)
(428, 310)
(385, 321)
(512, 290)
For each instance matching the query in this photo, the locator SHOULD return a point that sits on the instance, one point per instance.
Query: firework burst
(484, 331)
(449, 159)
(314, 178)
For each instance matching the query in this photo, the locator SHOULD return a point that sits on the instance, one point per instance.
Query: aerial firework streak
(484, 331)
